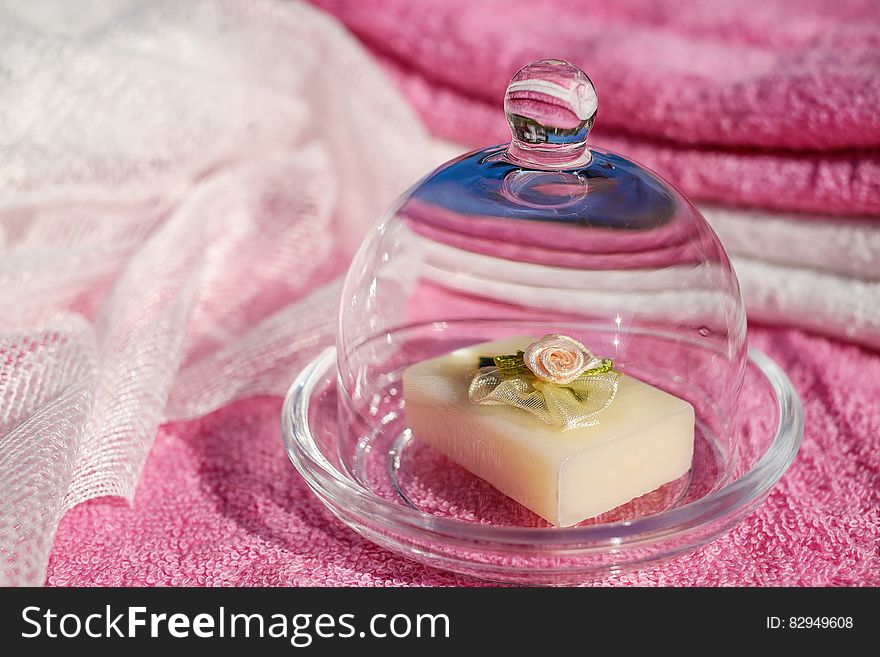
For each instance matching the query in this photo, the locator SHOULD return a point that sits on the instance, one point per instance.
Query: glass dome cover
(547, 235)
(544, 235)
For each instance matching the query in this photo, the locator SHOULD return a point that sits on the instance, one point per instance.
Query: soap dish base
(405, 496)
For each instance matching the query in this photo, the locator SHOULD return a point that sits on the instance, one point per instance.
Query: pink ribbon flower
(559, 359)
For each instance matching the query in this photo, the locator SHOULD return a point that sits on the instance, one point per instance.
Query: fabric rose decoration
(559, 359)
(556, 379)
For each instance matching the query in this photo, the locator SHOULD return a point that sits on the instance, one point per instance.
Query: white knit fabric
(178, 182)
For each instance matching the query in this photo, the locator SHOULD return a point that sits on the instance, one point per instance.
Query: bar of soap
(643, 440)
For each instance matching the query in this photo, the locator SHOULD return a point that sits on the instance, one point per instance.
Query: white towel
(817, 273)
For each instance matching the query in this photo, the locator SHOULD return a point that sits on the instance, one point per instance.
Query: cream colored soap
(643, 440)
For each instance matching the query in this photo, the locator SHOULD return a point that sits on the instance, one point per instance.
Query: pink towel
(755, 102)
(201, 516)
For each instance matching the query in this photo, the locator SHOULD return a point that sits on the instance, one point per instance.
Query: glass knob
(550, 106)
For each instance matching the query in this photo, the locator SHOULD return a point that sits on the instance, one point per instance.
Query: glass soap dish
(544, 235)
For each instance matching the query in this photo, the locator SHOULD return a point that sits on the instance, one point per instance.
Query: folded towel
(750, 102)
(730, 101)
(846, 246)
(818, 273)
(832, 305)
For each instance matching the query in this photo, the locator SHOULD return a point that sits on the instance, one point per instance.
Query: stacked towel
(757, 110)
